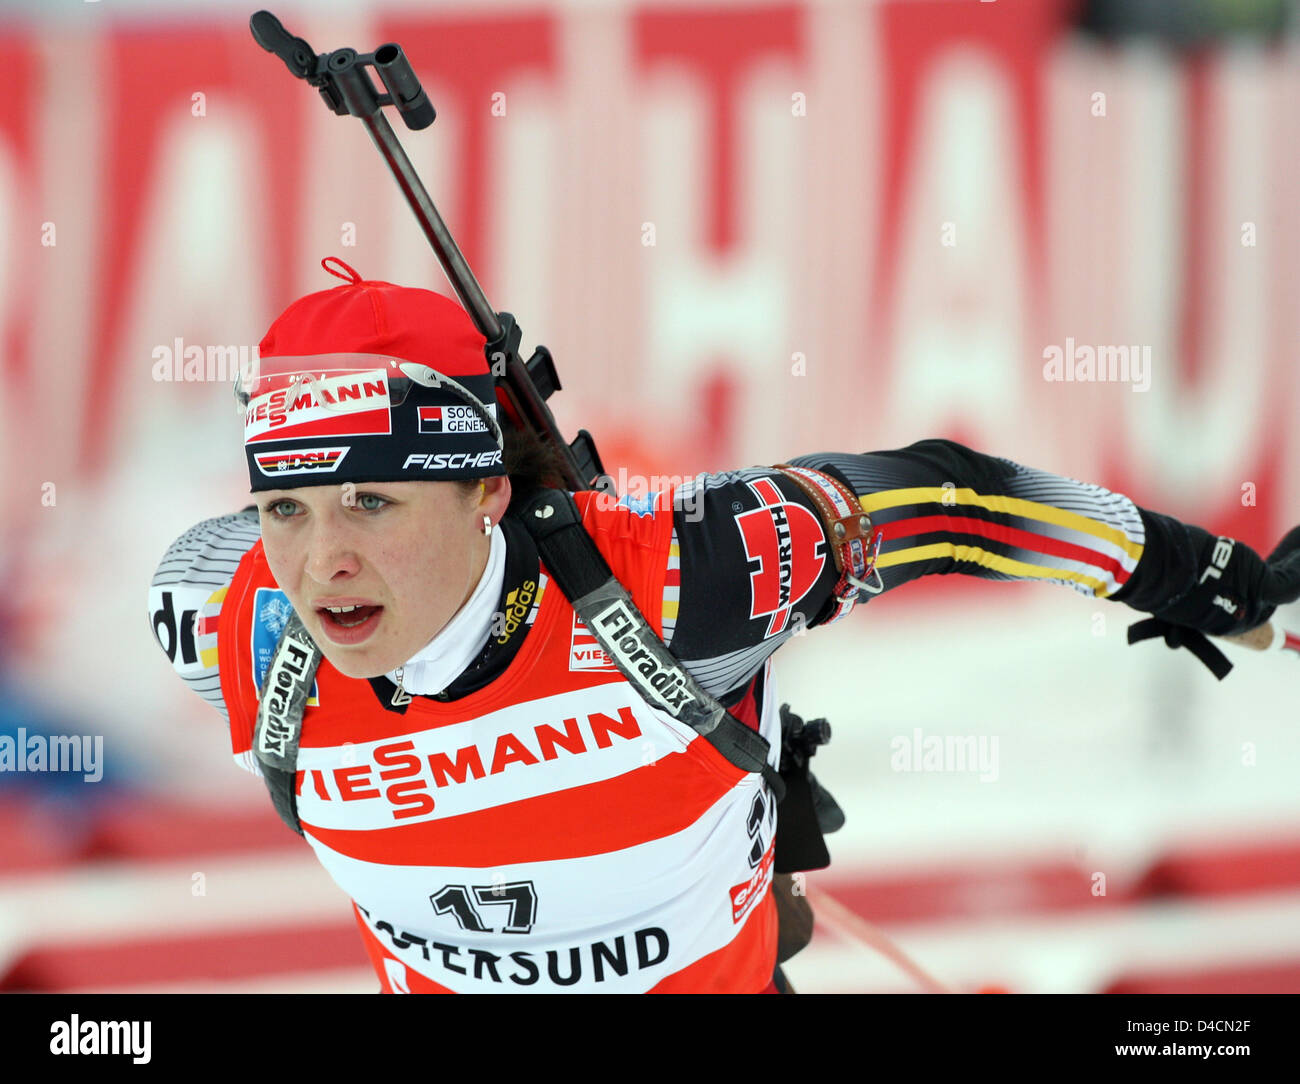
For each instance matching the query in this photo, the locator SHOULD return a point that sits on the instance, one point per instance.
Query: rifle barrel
(444, 245)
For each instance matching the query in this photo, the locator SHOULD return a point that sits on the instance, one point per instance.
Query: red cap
(416, 398)
(370, 317)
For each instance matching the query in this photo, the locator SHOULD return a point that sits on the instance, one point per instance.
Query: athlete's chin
(349, 666)
(379, 653)
(357, 664)
(356, 660)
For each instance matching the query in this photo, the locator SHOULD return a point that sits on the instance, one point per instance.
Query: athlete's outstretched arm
(994, 518)
(756, 567)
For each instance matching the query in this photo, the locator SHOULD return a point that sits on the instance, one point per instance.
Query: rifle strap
(605, 607)
(283, 698)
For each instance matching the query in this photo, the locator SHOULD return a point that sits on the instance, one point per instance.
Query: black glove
(1282, 579)
(1233, 591)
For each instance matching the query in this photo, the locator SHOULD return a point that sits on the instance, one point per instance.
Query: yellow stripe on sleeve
(985, 559)
(1015, 506)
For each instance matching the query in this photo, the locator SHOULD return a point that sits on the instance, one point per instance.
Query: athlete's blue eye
(363, 497)
(276, 509)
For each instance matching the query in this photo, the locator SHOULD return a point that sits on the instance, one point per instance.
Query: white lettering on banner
(963, 365)
(1230, 316)
(1143, 264)
(703, 305)
(1201, 428)
(853, 304)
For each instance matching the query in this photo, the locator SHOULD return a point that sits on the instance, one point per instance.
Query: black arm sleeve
(944, 508)
(756, 569)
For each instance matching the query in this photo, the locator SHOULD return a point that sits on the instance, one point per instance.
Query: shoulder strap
(279, 716)
(609, 613)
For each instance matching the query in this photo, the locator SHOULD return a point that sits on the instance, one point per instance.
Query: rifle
(522, 388)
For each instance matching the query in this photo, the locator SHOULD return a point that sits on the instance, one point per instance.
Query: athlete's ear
(493, 497)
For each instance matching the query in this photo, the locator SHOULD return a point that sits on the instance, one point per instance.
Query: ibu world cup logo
(275, 615)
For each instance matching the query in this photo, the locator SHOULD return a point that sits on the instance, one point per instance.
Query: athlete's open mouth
(349, 622)
(348, 616)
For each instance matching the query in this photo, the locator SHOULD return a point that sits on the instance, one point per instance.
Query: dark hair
(531, 464)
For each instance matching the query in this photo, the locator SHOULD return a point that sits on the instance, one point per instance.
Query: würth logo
(789, 545)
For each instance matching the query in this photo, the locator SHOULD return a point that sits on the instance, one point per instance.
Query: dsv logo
(176, 634)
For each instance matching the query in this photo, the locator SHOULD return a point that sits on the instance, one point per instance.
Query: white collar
(445, 657)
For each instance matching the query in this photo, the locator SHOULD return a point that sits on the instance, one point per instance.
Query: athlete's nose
(330, 553)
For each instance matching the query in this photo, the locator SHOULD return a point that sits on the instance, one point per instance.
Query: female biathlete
(523, 794)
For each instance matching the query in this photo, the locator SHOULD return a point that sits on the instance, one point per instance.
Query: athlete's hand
(1234, 595)
(1236, 589)
(1282, 577)
(1281, 584)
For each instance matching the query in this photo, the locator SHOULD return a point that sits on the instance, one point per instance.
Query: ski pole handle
(1267, 637)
